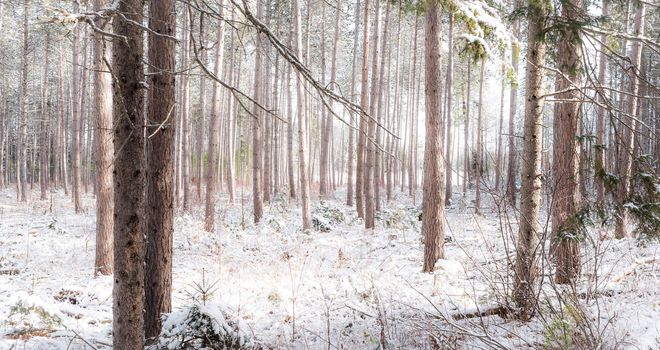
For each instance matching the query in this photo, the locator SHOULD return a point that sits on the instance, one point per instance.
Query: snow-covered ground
(348, 288)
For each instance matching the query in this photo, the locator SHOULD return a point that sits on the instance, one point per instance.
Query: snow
(292, 289)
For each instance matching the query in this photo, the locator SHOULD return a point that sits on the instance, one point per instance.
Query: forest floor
(347, 288)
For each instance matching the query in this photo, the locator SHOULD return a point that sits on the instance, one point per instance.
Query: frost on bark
(364, 125)
(257, 121)
(433, 201)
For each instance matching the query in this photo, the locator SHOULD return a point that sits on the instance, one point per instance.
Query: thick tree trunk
(565, 159)
(214, 126)
(525, 269)
(104, 148)
(129, 180)
(627, 132)
(160, 166)
(433, 201)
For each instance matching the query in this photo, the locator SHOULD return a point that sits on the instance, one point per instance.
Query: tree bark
(363, 129)
(351, 132)
(369, 173)
(75, 118)
(627, 132)
(214, 125)
(104, 148)
(526, 269)
(450, 109)
(129, 180)
(433, 201)
(480, 141)
(257, 121)
(513, 106)
(565, 159)
(21, 145)
(160, 166)
(304, 181)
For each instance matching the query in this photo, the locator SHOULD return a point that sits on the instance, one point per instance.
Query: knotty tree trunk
(129, 180)
(104, 148)
(565, 160)
(160, 166)
(525, 269)
(433, 200)
(214, 126)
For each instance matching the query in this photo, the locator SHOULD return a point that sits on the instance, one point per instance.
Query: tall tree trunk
(450, 109)
(257, 121)
(45, 127)
(323, 121)
(565, 160)
(185, 111)
(160, 166)
(351, 132)
(381, 109)
(289, 131)
(480, 141)
(369, 175)
(104, 148)
(500, 128)
(627, 132)
(214, 125)
(304, 181)
(364, 125)
(231, 123)
(21, 154)
(75, 118)
(129, 211)
(513, 106)
(466, 131)
(433, 201)
(526, 269)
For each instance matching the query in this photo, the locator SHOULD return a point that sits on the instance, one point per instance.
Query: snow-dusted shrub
(400, 217)
(200, 326)
(325, 217)
(31, 315)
